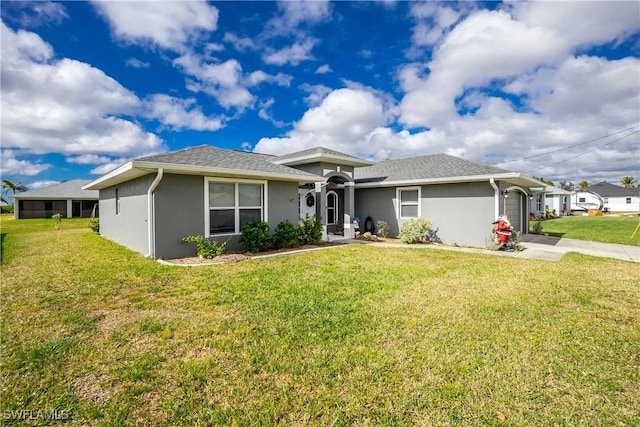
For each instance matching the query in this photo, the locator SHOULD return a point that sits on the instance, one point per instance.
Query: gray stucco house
(67, 198)
(151, 203)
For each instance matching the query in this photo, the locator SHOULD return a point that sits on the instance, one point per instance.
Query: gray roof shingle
(71, 189)
(605, 189)
(423, 168)
(209, 156)
(315, 151)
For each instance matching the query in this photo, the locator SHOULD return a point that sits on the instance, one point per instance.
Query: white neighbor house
(551, 199)
(609, 197)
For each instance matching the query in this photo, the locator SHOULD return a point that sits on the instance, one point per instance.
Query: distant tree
(582, 185)
(10, 186)
(566, 185)
(546, 181)
(627, 181)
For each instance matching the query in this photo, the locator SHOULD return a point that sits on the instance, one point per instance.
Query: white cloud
(11, 165)
(169, 25)
(136, 63)
(240, 43)
(41, 184)
(179, 113)
(294, 13)
(316, 93)
(324, 69)
(342, 121)
(294, 54)
(34, 13)
(88, 159)
(582, 23)
(64, 105)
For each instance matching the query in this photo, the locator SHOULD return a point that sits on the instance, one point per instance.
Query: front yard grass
(356, 335)
(607, 229)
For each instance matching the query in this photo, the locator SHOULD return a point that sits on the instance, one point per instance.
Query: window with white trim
(628, 200)
(408, 202)
(332, 207)
(232, 204)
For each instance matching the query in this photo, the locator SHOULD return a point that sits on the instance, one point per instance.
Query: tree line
(625, 181)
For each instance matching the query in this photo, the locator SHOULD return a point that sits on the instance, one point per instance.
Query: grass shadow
(558, 235)
(2, 248)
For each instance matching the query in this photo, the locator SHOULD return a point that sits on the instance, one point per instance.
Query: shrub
(286, 235)
(255, 236)
(383, 229)
(310, 230)
(415, 231)
(537, 227)
(206, 248)
(57, 220)
(94, 225)
(7, 208)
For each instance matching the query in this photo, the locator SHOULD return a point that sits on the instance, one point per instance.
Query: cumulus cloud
(298, 52)
(168, 25)
(324, 69)
(33, 14)
(11, 165)
(294, 13)
(342, 120)
(179, 114)
(136, 63)
(40, 99)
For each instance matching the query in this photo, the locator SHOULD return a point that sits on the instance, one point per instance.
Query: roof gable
(319, 154)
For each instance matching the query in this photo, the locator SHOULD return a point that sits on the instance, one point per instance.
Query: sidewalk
(542, 247)
(547, 247)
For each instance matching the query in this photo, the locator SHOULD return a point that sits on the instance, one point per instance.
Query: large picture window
(230, 205)
(408, 202)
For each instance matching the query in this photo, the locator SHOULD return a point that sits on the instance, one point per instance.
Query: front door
(513, 209)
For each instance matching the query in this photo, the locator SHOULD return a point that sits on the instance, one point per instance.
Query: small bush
(383, 229)
(415, 231)
(57, 220)
(7, 208)
(255, 237)
(537, 227)
(206, 248)
(94, 225)
(310, 230)
(286, 235)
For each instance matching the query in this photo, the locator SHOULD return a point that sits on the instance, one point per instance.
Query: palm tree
(627, 181)
(582, 185)
(14, 188)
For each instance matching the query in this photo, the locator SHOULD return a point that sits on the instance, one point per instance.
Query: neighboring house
(67, 198)
(551, 199)
(613, 197)
(151, 203)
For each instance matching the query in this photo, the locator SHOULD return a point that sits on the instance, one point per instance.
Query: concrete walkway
(543, 247)
(554, 248)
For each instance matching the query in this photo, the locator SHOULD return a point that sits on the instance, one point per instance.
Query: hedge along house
(151, 203)
(68, 198)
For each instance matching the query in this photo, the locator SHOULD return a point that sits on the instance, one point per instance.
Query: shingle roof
(65, 190)
(208, 156)
(605, 189)
(319, 153)
(423, 168)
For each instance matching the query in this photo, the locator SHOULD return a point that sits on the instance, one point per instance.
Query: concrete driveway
(553, 248)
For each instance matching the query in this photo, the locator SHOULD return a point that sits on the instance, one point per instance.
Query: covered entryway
(516, 208)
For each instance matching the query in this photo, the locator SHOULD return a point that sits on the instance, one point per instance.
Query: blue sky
(548, 89)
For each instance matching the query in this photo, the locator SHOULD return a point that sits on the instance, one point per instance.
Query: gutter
(496, 198)
(151, 215)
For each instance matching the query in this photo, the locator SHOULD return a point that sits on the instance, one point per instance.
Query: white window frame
(628, 200)
(399, 191)
(335, 208)
(237, 207)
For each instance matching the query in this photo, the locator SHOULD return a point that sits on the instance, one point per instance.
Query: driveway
(553, 248)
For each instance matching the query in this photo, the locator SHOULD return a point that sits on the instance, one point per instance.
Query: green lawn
(607, 229)
(356, 335)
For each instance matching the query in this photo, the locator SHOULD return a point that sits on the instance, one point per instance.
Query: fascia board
(445, 180)
(309, 158)
(204, 170)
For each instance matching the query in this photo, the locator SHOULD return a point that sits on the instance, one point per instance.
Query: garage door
(512, 209)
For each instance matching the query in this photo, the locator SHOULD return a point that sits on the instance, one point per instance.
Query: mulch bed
(232, 257)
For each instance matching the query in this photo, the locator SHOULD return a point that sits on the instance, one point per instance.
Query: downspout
(496, 198)
(150, 214)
